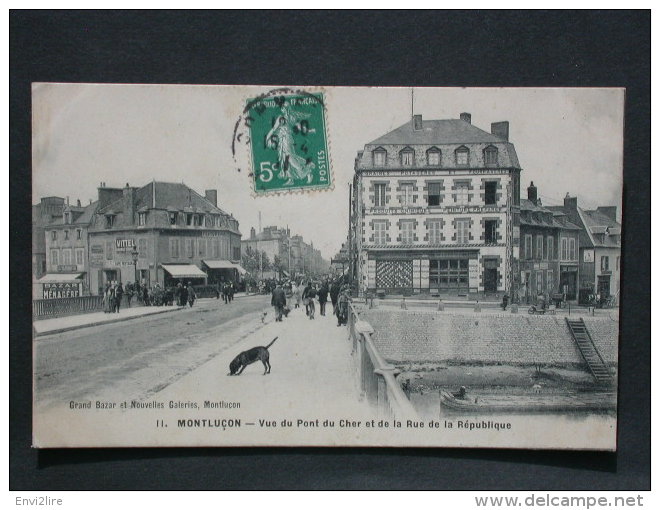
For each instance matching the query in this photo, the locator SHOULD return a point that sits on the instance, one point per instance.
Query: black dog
(246, 358)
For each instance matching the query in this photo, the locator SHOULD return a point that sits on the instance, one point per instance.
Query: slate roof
(448, 131)
(79, 215)
(604, 231)
(168, 195)
(545, 220)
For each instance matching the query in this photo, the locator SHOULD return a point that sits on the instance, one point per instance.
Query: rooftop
(448, 131)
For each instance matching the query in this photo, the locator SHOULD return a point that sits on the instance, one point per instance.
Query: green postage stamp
(289, 143)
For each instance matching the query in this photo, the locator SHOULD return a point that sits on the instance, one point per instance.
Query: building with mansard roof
(436, 210)
(548, 252)
(599, 248)
(162, 233)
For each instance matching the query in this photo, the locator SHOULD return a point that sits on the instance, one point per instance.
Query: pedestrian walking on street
(342, 306)
(232, 289)
(278, 301)
(308, 298)
(145, 295)
(129, 293)
(107, 298)
(119, 293)
(184, 296)
(334, 294)
(323, 297)
(225, 293)
(191, 295)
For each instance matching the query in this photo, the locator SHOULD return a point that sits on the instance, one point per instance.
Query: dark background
(433, 48)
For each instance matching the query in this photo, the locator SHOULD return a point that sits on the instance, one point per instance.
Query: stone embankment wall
(418, 336)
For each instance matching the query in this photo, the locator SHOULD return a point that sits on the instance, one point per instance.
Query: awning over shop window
(224, 264)
(60, 278)
(239, 268)
(219, 264)
(184, 271)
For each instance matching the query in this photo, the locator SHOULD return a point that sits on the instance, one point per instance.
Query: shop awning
(60, 278)
(224, 264)
(184, 271)
(219, 264)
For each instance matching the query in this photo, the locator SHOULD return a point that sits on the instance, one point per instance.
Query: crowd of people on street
(291, 293)
(115, 294)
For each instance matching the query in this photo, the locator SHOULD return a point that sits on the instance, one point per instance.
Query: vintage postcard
(296, 265)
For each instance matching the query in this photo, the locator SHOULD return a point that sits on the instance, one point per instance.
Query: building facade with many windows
(548, 252)
(68, 253)
(436, 210)
(599, 249)
(162, 233)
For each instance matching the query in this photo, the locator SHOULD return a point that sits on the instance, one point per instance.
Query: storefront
(223, 271)
(183, 273)
(568, 281)
(60, 285)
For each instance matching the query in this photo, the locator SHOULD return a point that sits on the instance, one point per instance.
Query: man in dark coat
(278, 300)
(323, 296)
(119, 293)
(334, 294)
(183, 294)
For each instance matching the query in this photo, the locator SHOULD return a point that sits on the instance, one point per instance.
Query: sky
(567, 140)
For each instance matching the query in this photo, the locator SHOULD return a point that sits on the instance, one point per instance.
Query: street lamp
(135, 254)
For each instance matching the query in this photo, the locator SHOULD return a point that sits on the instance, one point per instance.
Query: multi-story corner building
(436, 210)
(68, 253)
(43, 213)
(162, 233)
(599, 248)
(548, 253)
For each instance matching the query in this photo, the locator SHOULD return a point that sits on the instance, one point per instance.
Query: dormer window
(173, 217)
(407, 157)
(189, 219)
(490, 156)
(66, 235)
(433, 156)
(198, 220)
(67, 218)
(142, 219)
(109, 220)
(462, 156)
(218, 221)
(380, 155)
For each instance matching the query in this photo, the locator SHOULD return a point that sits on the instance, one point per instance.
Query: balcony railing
(377, 378)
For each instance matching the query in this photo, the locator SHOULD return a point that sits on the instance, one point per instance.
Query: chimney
(212, 196)
(466, 117)
(129, 204)
(78, 203)
(500, 129)
(253, 233)
(609, 211)
(570, 202)
(417, 122)
(108, 195)
(532, 195)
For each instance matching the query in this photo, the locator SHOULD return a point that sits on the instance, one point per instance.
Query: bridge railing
(49, 308)
(377, 378)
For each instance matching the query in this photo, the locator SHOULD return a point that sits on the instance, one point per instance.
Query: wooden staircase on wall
(588, 349)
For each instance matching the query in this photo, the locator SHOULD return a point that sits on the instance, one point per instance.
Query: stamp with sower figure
(289, 142)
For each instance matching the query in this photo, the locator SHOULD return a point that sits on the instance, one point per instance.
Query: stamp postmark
(289, 148)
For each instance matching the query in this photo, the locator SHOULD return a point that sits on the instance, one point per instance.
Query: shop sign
(97, 248)
(122, 245)
(123, 263)
(61, 290)
(588, 255)
(96, 260)
(568, 269)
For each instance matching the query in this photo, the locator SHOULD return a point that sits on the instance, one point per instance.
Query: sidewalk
(85, 320)
(312, 373)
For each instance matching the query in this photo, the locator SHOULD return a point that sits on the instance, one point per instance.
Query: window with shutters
(462, 230)
(539, 247)
(407, 229)
(434, 231)
(380, 232)
(174, 248)
(528, 246)
(550, 249)
(142, 248)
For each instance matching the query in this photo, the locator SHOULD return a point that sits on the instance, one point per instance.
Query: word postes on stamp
(289, 143)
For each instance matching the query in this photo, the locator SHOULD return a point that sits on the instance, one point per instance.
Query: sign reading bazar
(61, 290)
